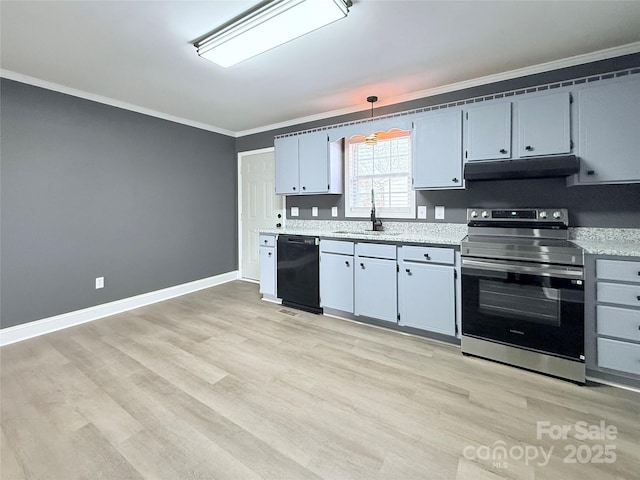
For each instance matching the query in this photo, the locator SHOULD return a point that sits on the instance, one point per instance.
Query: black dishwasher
(299, 272)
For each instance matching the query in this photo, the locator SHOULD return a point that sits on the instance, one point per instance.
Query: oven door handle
(543, 270)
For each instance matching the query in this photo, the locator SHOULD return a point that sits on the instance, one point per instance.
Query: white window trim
(381, 212)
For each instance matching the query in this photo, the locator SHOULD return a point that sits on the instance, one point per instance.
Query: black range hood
(533, 167)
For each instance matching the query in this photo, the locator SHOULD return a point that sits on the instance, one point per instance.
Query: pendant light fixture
(371, 139)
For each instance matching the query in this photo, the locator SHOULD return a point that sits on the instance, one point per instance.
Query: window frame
(408, 212)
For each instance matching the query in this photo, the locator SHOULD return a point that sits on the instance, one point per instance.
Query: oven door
(535, 306)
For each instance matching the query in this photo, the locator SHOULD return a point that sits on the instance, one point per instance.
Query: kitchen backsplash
(609, 206)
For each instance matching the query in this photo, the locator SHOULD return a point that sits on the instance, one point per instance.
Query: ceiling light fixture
(267, 25)
(371, 139)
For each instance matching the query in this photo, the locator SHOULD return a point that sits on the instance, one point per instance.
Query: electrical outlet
(314, 211)
(334, 211)
(422, 212)
(99, 282)
(439, 211)
(295, 211)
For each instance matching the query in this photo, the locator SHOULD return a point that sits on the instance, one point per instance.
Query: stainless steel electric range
(523, 291)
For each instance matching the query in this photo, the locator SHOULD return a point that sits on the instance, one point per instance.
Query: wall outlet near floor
(334, 211)
(439, 212)
(99, 282)
(422, 212)
(314, 211)
(295, 211)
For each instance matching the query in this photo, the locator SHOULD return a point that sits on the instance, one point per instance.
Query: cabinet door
(314, 162)
(427, 297)
(437, 151)
(286, 163)
(376, 293)
(609, 132)
(543, 125)
(268, 271)
(488, 132)
(336, 282)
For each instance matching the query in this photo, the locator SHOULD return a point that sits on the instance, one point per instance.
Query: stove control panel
(558, 216)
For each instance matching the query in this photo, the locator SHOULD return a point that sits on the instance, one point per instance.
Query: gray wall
(590, 206)
(89, 190)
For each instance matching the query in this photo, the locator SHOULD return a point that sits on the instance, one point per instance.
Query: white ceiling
(140, 53)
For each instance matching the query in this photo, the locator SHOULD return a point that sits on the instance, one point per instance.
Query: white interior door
(259, 206)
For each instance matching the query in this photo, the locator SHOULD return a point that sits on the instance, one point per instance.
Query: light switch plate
(295, 211)
(422, 212)
(439, 212)
(334, 211)
(99, 282)
(314, 211)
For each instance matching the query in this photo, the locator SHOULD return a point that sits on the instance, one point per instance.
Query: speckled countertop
(395, 232)
(607, 241)
(596, 241)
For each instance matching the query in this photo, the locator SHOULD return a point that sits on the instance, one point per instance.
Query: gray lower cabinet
(426, 289)
(336, 275)
(375, 282)
(617, 315)
(268, 265)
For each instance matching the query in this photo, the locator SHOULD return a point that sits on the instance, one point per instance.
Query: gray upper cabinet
(286, 165)
(488, 129)
(544, 125)
(308, 164)
(609, 132)
(437, 150)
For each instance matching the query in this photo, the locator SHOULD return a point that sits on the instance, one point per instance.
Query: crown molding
(509, 75)
(36, 82)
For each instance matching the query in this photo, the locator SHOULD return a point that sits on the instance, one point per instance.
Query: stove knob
(542, 214)
(485, 214)
(557, 215)
(474, 214)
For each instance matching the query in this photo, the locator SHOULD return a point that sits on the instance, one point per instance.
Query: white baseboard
(47, 325)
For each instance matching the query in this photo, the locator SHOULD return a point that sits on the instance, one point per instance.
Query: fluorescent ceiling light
(268, 25)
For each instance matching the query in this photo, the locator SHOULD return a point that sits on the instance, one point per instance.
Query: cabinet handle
(408, 270)
(529, 148)
(265, 241)
(454, 180)
(591, 172)
(362, 265)
(503, 151)
(638, 297)
(426, 255)
(269, 253)
(294, 188)
(304, 188)
(346, 263)
(278, 225)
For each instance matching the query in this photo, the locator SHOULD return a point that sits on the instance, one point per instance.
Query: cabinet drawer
(619, 322)
(427, 254)
(622, 356)
(619, 293)
(620, 270)
(267, 240)
(376, 250)
(336, 246)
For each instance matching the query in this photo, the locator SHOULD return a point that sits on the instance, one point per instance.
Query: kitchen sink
(367, 232)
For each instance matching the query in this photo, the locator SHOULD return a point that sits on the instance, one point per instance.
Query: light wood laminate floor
(221, 385)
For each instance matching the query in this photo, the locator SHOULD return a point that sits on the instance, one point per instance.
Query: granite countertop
(595, 241)
(395, 232)
(607, 241)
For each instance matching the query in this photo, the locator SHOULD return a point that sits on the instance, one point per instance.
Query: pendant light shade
(372, 138)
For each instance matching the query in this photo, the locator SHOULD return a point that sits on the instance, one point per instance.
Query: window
(384, 168)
